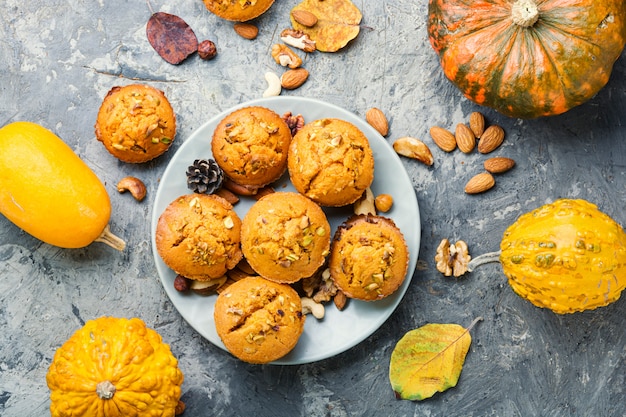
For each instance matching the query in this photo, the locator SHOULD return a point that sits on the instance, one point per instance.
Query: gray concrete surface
(59, 58)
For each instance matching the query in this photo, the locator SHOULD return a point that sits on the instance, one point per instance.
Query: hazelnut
(383, 202)
(181, 283)
(207, 50)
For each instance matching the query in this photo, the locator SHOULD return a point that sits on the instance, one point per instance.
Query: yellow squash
(567, 256)
(114, 367)
(49, 192)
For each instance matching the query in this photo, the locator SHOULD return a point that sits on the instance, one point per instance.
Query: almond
(477, 123)
(246, 30)
(480, 183)
(413, 148)
(465, 138)
(294, 78)
(443, 138)
(498, 164)
(377, 119)
(304, 17)
(491, 139)
(227, 195)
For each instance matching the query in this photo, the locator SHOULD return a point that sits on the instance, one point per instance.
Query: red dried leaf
(171, 37)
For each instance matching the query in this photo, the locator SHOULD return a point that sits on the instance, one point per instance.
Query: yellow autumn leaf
(337, 23)
(428, 360)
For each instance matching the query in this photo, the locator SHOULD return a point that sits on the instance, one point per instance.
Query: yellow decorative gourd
(567, 256)
(49, 192)
(114, 367)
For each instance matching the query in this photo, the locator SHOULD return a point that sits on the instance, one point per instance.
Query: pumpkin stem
(525, 13)
(105, 390)
(483, 259)
(110, 239)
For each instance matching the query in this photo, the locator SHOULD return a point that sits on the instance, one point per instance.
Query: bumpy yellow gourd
(114, 367)
(566, 256)
(49, 192)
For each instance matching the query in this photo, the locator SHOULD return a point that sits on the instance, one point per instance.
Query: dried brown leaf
(171, 37)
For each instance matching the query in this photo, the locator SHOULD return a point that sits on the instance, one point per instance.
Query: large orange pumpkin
(528, 58)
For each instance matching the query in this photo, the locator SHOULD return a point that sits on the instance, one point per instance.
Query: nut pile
(314, 28)
(466, 137)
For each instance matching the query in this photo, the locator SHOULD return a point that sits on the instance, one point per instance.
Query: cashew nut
(134, 185)
(310, 306)
(273, 85)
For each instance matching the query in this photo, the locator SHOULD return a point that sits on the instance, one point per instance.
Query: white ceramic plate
(339, 330)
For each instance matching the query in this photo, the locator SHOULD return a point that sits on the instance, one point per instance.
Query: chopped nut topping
(228, 223)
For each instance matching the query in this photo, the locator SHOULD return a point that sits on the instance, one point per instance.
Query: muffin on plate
(237, 10)
(136, 123)
(331, 162)
(198, 236)
(251, 146)
(369, 257)
(285, 237)
(258, 321)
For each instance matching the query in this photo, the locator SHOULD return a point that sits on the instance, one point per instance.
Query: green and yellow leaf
(428, 360)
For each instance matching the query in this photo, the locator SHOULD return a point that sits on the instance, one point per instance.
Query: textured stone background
(58, 59)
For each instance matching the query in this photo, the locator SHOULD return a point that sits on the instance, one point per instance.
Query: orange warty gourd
(49, 192)
(566, 256)
(114, 367)
(528, 58)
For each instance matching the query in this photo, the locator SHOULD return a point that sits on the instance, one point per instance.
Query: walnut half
(284, 56)
(298, 39)
(452, 259)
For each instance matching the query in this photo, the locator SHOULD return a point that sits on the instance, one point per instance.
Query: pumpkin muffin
(198, 236)
(251, 146)
(369, 257)
(331, 162)
(285, 237)
(259, 321)
(136, 123)
(237, 10)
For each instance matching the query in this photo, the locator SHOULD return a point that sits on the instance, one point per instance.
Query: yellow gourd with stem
(566, 256)
(49, 192)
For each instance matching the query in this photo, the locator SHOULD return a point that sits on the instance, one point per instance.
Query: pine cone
(204, 176)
